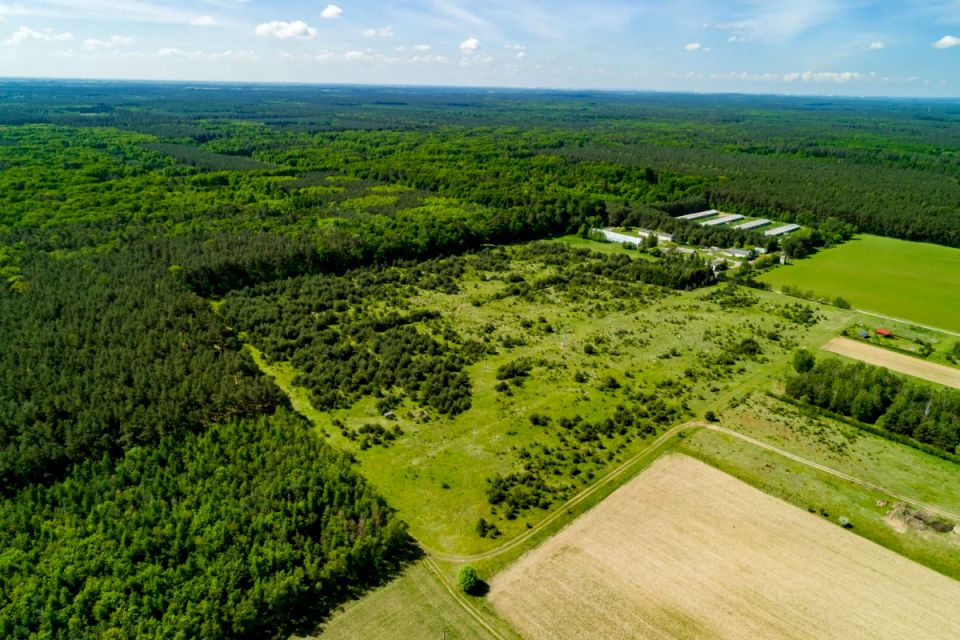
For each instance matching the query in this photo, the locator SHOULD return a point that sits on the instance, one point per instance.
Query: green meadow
(910, 280)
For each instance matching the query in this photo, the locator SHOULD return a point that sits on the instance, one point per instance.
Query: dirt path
(930, 371)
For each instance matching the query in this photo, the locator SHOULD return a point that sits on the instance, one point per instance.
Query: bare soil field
(898, 362)
(686, 551)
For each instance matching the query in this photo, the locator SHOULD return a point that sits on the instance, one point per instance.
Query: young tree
(468, 579)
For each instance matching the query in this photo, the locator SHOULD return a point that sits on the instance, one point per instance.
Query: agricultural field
(909, 280)
(909, 365)
(834, 469)
(686, 551)
(575, 370)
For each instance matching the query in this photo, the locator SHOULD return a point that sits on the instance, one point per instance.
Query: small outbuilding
(864, 334)
(884, 333)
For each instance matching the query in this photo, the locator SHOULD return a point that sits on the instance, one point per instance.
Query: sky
(822, 47)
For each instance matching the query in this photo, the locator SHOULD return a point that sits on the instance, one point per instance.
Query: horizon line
(275, 83)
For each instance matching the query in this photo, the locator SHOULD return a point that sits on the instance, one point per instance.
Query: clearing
(894, 361)
(685, 551)
(911, 280)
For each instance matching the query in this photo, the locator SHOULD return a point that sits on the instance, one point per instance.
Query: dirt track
(686, 551)
(898, 362)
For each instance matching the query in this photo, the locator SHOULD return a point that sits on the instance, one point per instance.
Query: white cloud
(352, 56)
(736, 39)
(470, 45)
(521, 55)
(331, 11)
(876, 45)
(430, 59)
(284, 30)
(382, 32)
(26, 34)
(693, 46)
(241, 56)
(515, 47)
(422, 47)
(831, 77)
(93, 44)
(203, 21)
(946, 42)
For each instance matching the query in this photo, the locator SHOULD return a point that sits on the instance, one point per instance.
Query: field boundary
(833, 472)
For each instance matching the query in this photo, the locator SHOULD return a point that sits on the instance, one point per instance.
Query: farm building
(744, 254)
(884, 333)
(756, 224)
(722, 220)
(864, 334)
(662, 237)
(779, 231)
(700, 215)
(622, 238)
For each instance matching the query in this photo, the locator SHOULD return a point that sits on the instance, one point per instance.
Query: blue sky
(852, 47)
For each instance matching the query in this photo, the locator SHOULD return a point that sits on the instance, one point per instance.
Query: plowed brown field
(686, 551)
(931, 371)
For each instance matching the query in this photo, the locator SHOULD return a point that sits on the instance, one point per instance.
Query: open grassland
(630, 360)
(910, 280)
(416, 605)
(685, 551)
(909, 365)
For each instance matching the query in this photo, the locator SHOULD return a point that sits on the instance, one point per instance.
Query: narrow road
(465, 603)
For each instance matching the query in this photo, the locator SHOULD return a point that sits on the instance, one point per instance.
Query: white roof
(779, 231)
(753, 225)
(723, 220)
(697, 216)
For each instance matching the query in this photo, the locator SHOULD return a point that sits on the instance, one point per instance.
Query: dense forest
(248, 529)
(143, 227)
(925, 413)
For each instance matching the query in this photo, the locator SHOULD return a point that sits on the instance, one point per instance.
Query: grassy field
(415, 605)
(594, 348)
(909, 280)
(685, 551)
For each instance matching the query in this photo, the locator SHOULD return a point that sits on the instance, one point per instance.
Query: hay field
(930, 371)
(910, 280)
(686, 551)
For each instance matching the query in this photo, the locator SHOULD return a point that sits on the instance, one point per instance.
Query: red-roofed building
(884, 333)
